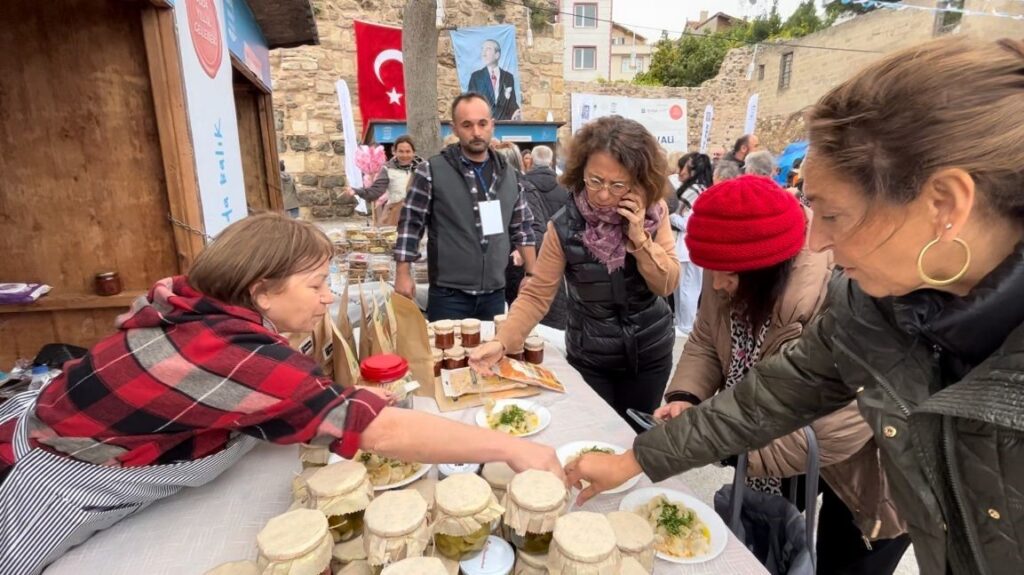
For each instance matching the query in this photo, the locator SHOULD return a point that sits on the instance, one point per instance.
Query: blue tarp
(792, 153)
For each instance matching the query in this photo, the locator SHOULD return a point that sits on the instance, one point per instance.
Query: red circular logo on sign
(206, 37)
(675, 112)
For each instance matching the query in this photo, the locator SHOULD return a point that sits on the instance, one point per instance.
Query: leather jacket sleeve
(791, 389)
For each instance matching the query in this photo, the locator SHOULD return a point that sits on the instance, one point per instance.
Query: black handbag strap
(739, 484)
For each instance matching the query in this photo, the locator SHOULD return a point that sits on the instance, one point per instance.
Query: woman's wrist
(630, 465)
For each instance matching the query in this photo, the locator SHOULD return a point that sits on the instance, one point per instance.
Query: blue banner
(245, 39)
(486, 61)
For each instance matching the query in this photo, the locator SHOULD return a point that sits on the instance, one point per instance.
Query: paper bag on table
(412, 343)
(382, 336)
(529, 374)
(301, 342)
(372, 335)
(346, 365)
(323, 345)
(344, 325)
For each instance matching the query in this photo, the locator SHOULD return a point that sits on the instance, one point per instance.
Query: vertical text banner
(210, 101)
(665, 118)
(751, 124)
(705, 131)
(487, 63)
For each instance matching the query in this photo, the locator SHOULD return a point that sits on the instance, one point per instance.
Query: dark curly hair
(630, 144)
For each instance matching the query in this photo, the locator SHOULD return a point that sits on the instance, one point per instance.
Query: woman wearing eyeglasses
(616, 254)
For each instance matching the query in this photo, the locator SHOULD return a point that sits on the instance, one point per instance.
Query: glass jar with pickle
(295, 542)
(465, 510)
(583, 542)
(396, 528)
(534, 501)
(634, 537)
(341, 491)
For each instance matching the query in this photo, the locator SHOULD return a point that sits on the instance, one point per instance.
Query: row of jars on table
(453, 341)
(336, 516)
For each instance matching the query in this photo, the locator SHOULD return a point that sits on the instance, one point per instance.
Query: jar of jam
(388, 371)
(342, 491)
(455, 358)
(438, 357)
(470, 333)
(534, 350)
(519, 354)
(498, 320)
(298, 539)
(108, 284)
(444, 334)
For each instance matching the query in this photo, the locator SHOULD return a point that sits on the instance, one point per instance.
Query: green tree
(837, 8)
(803, 21)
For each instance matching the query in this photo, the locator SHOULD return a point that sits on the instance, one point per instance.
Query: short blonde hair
(266, 246)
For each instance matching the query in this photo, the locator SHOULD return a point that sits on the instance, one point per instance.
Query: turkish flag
(381, 72)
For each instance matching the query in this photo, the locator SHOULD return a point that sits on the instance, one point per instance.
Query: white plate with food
(570, 451)
(386, 473)
(518, 417)
(686, 530)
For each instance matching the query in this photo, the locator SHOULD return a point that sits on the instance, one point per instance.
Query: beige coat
(848, 455)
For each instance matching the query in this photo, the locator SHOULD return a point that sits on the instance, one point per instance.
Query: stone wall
(306, 106)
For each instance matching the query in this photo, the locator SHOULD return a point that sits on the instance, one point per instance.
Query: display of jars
(296, 542)
(390, 372)
(341, 491)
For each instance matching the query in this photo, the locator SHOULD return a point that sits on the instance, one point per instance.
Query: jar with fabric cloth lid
(295, 543)
(634, 537)
(534, 502)
(396, 528)
(465, 510)
(341, 491)
(583, 544)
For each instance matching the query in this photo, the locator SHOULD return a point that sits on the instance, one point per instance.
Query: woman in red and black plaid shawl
(201, 358)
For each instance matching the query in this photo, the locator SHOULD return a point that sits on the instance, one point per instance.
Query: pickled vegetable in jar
(313, 456)
(583, 542)
(396, 528)
(534, 501)
(341, 491)
(295, 542)
(634, 537)
(531, 564)
(464, 514)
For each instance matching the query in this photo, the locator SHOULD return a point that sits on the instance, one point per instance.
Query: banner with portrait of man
(486, 61)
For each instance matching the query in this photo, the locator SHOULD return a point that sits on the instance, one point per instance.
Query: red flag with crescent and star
(381, 72)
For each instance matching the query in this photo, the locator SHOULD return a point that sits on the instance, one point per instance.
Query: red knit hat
(745, 224)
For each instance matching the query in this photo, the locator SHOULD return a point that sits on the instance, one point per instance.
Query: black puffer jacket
(614, 321)
(940, 380)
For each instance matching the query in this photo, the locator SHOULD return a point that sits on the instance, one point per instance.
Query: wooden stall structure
(100, 144)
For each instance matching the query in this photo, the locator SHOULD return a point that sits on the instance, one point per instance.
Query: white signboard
(665, 118)
(210, 99)
(705, 132)
(751, 123)
(348, 126)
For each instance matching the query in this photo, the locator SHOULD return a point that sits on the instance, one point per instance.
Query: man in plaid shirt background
(472, 207)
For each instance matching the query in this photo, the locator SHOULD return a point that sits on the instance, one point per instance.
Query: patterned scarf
(606, 235)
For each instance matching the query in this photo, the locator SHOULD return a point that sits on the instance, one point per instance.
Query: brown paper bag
(381, 341)
(301, 342)
(346, 366)
(323, 345)
(364, 329)
(411, 342)
(345, 325)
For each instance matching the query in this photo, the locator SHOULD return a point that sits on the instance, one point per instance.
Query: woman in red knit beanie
(750, 237)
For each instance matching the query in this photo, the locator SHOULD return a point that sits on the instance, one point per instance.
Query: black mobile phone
(645, 420)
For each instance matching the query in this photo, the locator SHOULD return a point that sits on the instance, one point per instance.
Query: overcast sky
(650, 17)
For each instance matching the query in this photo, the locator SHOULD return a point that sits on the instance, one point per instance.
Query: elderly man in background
(760, 163)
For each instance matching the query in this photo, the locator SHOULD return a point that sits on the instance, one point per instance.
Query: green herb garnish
(598, 450)
(673, 520)
(512, 416)
(365, 457)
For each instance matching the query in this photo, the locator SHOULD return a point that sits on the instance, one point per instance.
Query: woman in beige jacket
(764, 285)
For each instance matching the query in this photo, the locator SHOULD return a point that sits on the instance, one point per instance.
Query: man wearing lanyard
(471, 206)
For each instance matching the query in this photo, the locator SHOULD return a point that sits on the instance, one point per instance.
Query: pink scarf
(605, 235)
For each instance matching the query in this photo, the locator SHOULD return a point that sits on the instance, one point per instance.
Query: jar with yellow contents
(341, 491)
(583, 542)
(295, 542)
(464, 513)
(533, 503)
(396, 528)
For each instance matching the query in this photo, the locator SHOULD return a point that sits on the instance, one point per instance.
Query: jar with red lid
(390, 372)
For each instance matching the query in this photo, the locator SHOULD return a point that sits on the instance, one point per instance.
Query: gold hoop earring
(941, 283)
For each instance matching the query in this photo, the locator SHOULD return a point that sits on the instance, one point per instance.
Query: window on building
(947, 19)
(584, 16)
(641, 65)
(584, 58)
(760, 72)
(785, 70)
(625, 66)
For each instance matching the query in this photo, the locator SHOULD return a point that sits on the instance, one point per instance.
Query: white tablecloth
(198, 529)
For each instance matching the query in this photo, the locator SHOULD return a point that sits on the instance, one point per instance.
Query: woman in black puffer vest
(616, 254)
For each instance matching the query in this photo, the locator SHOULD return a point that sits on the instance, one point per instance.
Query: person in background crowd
(197, 374)
(673, 177)
(726, 170)
(760, 163)
(514, 272)
(613, 247)
(717, 154)
(744, 146)
(527, 161)
(392, 181)
(921, 205)
(288, 194)
(765, 287)
(472, 206)
(547, 199)
(695, 174)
